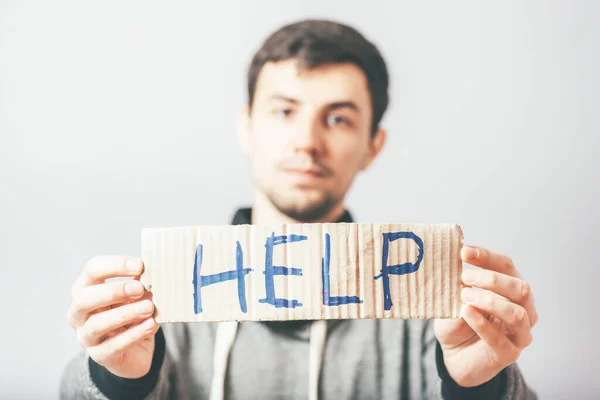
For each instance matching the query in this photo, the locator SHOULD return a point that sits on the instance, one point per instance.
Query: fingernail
(468, 295)
(133, 265)
(134, 288)
(143, 307)
(469, 276)
(470, 252)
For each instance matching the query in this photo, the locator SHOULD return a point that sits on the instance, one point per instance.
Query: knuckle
(92, 260)
(525, 290)
(534, 319)
(489, 300)
(480, 322)
(116, 292)
(519, 316)
(69, 319)
(492, 278)
(90, 265)
(483, 254)
(92, 329)
(77, 306)
(123, 314)
(109, 294)
(153, 325)
(478, 278)
(528, 341)
(81, 339)
(72, 318)
(508, 263)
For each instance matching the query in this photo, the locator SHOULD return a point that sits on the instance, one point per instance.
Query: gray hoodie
(335, 359)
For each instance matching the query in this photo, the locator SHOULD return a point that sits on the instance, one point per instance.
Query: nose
(308, 135)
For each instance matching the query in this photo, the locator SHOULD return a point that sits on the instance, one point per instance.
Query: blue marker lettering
(238, 273)
(399, 269)
(329, 300)
(271, 271)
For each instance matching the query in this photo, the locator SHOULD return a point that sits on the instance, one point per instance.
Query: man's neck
(264, 212)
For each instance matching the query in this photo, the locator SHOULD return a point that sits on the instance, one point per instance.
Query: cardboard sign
(303, 271)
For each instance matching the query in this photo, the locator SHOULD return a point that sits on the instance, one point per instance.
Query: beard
(303, 211)
(302, 203)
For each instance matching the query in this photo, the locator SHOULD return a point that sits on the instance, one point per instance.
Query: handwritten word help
(271, 271)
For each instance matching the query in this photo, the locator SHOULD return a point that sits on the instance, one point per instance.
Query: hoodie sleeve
(84, 379)
(438, 384)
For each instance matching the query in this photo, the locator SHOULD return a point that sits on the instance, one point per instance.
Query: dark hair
(317, 42)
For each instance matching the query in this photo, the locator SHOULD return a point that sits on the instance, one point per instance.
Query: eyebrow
(331, 106)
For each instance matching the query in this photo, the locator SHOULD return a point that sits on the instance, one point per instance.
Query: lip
(305, 174)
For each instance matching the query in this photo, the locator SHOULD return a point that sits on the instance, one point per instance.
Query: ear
(243, 129)
(376, 144)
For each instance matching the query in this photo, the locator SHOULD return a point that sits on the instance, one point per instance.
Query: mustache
(311, 164)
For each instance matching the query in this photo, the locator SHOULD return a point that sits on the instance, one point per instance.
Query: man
(317, 91)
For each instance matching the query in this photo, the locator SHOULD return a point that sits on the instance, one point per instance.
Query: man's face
(308, 135)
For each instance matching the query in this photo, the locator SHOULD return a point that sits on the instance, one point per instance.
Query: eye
(338, 120)
(283, 112)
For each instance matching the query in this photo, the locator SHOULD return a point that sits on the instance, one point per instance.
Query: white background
(118, 115)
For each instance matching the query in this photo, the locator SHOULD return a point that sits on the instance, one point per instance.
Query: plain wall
(118, 115)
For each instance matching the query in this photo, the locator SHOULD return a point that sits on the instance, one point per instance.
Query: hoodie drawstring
(318, 334)
(226, 332)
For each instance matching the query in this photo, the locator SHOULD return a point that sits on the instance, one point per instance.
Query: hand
(496, 322)
(114, 320)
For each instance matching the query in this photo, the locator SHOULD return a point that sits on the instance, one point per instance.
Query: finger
(514, 289)
(92, 298)
(108, 349)
(513, 315)
(487, 259)
(504, 352)
(532, 312)
(99, 269)
(99, 325)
